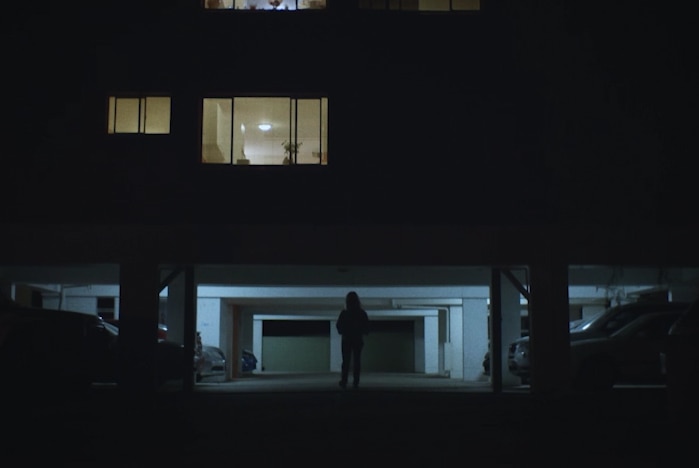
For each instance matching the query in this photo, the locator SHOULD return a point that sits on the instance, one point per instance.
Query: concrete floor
(307, 419)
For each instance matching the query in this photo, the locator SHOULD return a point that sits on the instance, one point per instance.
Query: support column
(175, 309)
(236, 351)
(419, 345)
(6, 288)
(474, 333)
(190, 326)
(456, 342)
(431, 348)
(548, 329)
(138, 328)
(511, 329)
(257, 336)
(496, 360)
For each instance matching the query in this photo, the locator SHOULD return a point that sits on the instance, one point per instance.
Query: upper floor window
(421, 5)
(264, 4)
(264, 130)
(139, 115)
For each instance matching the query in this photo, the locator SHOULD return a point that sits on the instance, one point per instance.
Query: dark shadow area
(625, 426)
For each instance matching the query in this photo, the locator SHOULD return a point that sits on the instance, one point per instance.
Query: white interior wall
(335, 348)
(209, 320)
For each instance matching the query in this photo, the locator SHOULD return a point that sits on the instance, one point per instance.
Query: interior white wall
(80, 304)
(209, 320)
(335, 348)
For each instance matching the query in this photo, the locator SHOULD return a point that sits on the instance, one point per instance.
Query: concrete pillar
(548, 329)
(236, 351)
(443, 347)
(257, 343)
(474, 337)
(511, 329)
(226, 338)
(431, 349)
(419, 346)
(190, 320)
(175, 309)
(6, 288)
(455, 360)
(138, 327)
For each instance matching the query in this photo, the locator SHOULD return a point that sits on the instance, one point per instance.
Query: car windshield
(584, 324)
(114, 330)
(612, 318)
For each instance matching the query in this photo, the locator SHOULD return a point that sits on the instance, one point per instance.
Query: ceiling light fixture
(264, 127)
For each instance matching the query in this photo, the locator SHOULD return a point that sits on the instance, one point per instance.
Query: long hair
(352, 301)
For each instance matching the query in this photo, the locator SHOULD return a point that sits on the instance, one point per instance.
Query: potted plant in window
(290, 151)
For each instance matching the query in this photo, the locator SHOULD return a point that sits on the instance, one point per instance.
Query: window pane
(324, 130)
(434, 5)
(216, 131)
(311, 4)
(127, 111)
(267, 4)
(311, 131)
(157, 115)
(218, 4)
(466, 4)
(261, 144)
(110, 114)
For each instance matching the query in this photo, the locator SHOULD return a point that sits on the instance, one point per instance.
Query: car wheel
(596, 374)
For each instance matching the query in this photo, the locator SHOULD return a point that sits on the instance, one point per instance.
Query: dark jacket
(353, 323)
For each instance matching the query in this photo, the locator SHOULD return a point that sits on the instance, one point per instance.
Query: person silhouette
(352, 324)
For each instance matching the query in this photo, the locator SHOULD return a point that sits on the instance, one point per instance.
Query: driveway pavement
(310, 420)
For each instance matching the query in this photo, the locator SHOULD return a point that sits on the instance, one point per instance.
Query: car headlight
(522, 350)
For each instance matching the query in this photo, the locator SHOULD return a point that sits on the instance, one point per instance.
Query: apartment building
(338, 136)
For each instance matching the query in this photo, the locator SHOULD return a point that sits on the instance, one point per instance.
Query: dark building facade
(490, 133)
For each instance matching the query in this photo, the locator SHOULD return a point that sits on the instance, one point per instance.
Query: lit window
(421, 5)
(278, 5)
(139, 115)
(264, 131)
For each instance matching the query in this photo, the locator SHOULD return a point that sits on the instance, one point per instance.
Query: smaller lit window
(268, 5)
(139, 115)
(421, 5)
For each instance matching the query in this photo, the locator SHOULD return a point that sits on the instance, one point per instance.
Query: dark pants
(352, 354)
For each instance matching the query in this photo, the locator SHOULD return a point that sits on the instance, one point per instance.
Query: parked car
(212, 364)
(604, 324)
(162, 328)
(169, 359)
(631, 355)
(486, 357)
(50, 351)
(249, 361)
(681, 365)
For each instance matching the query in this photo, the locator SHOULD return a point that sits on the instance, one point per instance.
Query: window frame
(141, 125)
(233, 143)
